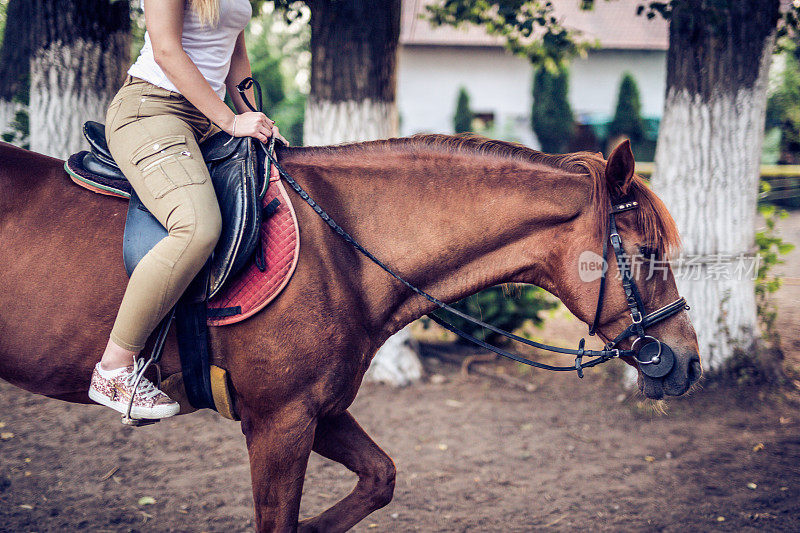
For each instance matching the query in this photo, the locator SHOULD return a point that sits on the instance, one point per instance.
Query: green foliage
(495, 307)
(462, 120)
(19, 131)
(551, 116)
(137, 31)
(265, 64)
(3, 9)
(277, 49)
(516, 22)
(770, 249)
(292, 10)
(783, 109)
(628, 116)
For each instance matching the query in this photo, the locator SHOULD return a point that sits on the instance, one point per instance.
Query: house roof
(614, 23)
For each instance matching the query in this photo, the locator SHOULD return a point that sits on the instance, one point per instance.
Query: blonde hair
(207, 11)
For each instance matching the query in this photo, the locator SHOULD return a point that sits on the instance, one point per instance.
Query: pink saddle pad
(251, 290)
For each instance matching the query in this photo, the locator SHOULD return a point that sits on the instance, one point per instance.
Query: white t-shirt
(209, 47)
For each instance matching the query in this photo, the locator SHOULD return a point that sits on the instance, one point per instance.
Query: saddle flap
(236, 185)
(237, 175)
(142, 232)
(218, 147)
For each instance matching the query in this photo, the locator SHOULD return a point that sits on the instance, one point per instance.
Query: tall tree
(551, 115)
(707, 160)
(462, 119)
(628, 115)
(708, 156)
(353, 71)
(76, 53)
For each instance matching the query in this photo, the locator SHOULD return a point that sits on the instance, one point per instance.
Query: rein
(658, 364)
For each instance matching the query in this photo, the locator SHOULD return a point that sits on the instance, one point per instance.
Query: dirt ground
(472, 453)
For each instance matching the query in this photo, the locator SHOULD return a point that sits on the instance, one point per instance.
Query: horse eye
(648, 252)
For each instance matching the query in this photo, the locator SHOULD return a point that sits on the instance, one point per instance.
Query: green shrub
(628, 116)
(551, 116)
(783, 111)
(495, 307)
(462, 120)
(771, 248)
(19, 127)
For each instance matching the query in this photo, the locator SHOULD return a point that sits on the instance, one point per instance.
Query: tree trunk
(328, 122)
(707, 161)
(78, 56)
(353, 85)
(353, 64)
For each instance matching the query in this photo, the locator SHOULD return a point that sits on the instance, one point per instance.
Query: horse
(451, 214)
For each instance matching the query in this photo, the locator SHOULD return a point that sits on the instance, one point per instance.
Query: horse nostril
(694, 371)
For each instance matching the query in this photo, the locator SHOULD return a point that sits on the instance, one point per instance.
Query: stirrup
(138, 422)
(155, 358)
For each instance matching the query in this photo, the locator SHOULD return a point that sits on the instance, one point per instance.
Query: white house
(435, 62)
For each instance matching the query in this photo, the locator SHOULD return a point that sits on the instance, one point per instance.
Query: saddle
(232, 164)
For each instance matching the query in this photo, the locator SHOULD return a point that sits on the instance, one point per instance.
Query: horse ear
(619, 169)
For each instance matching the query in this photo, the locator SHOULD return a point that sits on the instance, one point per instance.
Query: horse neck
(451, 224)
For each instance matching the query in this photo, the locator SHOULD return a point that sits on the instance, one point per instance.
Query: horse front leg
(279, 447)
(341, 439)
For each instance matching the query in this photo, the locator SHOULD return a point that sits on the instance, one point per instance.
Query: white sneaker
(114, 390)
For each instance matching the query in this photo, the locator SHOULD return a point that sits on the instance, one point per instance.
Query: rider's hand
(258, 125)
(253, 124)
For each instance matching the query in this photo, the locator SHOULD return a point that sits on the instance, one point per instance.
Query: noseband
(655, 358)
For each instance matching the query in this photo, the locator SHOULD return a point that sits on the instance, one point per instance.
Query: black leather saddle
(236, 167)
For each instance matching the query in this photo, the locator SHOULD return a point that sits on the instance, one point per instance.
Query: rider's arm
(164, 20)
(240, 69)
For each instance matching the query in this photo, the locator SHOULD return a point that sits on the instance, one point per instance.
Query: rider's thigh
(162, 160)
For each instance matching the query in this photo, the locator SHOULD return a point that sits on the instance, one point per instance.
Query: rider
(170, 101)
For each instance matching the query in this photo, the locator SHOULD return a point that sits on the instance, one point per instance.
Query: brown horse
(453, 215)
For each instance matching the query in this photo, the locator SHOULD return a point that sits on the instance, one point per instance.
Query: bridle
(655, 358)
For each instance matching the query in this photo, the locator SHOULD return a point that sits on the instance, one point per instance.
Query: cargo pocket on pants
(163, 165)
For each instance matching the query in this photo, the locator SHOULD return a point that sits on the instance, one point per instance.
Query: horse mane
(653, 219)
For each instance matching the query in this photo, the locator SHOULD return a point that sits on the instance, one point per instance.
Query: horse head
(622, 204)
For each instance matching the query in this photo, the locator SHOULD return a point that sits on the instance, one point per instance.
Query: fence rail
(784, 180)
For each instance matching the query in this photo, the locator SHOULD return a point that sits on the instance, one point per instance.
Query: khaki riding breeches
(153, 134)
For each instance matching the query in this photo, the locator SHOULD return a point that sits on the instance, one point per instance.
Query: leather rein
(655, 357)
